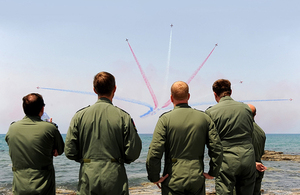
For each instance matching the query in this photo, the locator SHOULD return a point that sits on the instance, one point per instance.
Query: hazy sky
(63, 44)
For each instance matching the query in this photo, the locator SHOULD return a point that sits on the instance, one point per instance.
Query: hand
(260, 167)
(161, 180)
(50, 120)
(55, 153)
(207, 176)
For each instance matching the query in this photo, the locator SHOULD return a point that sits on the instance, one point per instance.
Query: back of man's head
(180, 91)
(33, 104)
(222, 87)
(104, 83)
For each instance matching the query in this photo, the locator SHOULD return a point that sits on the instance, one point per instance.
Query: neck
(104, 96)
(175, 103)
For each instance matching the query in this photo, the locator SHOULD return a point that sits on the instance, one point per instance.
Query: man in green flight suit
(182, 135)
(102, 138)
(234, 123)
(32, 145)
(258, 140)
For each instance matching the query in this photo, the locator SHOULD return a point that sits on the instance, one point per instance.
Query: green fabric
(182, 135)
(258, 140)
(234, 123)
(98, 134)
(31, 143)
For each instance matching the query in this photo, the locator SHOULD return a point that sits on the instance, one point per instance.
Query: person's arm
(215, 150)
(71, 144)
(59, 144)
(133, 143)
(161, 180)
(155, 152)
(260, 167)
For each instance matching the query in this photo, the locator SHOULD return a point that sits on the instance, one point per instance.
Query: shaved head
(253, 109)
(180, 91)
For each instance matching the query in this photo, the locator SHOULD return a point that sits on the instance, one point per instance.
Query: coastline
(148, 188)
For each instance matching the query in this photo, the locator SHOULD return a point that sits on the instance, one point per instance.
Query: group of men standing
(103, 137)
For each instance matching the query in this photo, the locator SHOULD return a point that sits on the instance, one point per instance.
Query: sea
(281, 177)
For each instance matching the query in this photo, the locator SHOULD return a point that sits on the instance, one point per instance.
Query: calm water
(280, 177)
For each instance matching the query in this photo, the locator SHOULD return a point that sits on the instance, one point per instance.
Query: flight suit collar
(33, 118)
(183, 105)
(225, 98)
(103, 99)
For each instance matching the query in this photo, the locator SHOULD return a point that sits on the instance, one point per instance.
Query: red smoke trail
(145, 78)
(193, 75)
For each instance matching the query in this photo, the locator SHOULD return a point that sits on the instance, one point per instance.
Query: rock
(279, 156)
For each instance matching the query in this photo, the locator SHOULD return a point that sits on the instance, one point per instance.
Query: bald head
(180, 92)
(253, 109)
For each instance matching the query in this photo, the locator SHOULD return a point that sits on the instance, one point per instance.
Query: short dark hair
(222, 87)
(104, 83)
(33, 104)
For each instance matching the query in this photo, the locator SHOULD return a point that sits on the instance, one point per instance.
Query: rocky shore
(151, 189)
(279, 156)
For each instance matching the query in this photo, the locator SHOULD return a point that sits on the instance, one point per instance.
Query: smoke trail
(145, 78)
(168, 63)
(115, 97)
(194, 74)
(66, 90)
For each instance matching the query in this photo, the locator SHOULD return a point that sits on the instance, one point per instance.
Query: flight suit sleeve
(133, 143)
(156, 150)
(58, 142)
(72, 141)
(215, 150)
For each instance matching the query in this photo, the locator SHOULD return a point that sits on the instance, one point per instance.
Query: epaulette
(122, 110)
(165, 113)
(209, 107)
(54, 124)
(12, 122)
(198, 110)
(83, 108)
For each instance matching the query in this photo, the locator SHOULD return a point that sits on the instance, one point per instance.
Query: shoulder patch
(83, 108)
(165, 113)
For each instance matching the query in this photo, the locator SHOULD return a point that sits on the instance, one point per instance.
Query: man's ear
(41, 112)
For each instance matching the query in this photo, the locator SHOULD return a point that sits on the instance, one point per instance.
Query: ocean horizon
(281, 177)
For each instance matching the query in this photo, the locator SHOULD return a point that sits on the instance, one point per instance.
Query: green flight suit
(234, 123)
(31, 144)
(182, 134)
(102, 138)
(258, 140)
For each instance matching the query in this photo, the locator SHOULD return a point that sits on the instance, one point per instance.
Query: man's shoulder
(257, 128)
(122, 111)
(82, 109)
(165, 113)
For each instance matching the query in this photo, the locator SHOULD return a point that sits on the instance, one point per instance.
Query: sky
(64, 44)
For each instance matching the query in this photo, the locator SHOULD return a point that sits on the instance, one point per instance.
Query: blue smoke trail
(115, 97)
